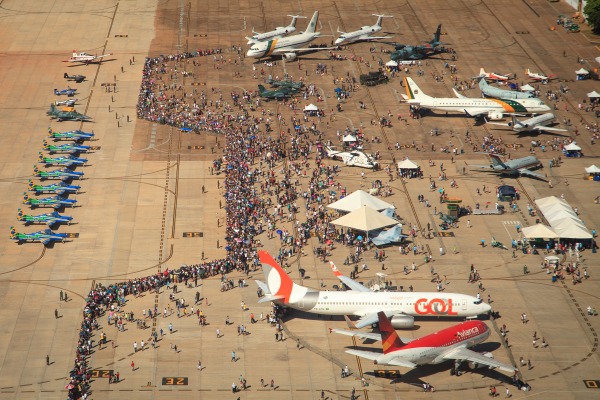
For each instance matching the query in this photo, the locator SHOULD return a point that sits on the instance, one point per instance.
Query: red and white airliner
(86, 58)
(445, 345)
(401, 307)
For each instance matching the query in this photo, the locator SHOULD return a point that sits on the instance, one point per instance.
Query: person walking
(47, 359)
(132, 365)
(233, 359)
(170, 328)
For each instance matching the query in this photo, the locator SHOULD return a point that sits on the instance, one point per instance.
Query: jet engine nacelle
(474, 365)
(403, 322)
(289, 56)
(495, 116)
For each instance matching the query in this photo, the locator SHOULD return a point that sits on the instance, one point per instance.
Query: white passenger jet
(288, 47)
(535, 124)
(448, 344)
(86, 58)
(494, 108)
(401, 307)
(352, 158)
(363, 33)
(278, 32)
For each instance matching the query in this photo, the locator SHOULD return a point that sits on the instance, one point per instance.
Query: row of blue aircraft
(65, 174)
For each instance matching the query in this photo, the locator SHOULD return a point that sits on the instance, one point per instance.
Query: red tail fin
(389, 338)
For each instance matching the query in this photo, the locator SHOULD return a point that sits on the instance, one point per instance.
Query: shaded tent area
(358, 199)
(593, 173)
(365, 219)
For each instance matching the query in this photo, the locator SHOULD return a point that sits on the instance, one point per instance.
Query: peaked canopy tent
(593, 94)
(311, 107)
(358, 199)
(365, 219)
(527, 88)
(572, 150)
(407, 164)
(391, 63)
(539, 231)
(592, 170)
(563, 219)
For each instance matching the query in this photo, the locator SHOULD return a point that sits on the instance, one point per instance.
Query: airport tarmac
(142, 208)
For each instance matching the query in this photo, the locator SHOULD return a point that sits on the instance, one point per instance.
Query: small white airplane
(473, 107)
(86, 58)
(448, 344)
(492, 76)
(401, 307)
(516, 167)
(364, 33)
(538, 123)
(537, 76)
(68, 103)
(353, 158)
(278, 32)
(288, 47)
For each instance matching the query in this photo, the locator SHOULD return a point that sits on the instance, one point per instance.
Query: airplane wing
(352, 284)
(526, 172)
(366, 335)
(549, 129)
(464, 354)
(474, 112)
(294, 50)
(372, 318)
(498, 123)
(378, 37)
(371, 355)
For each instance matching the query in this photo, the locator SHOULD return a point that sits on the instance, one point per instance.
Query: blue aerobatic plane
(64, 174)
(76, 135)
(71, 148)
(58, 188)
(46, 236)
(50, 219)
(55, 202)
(68, 161)
(65, 92)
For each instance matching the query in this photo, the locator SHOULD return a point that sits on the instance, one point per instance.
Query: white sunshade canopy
(563, 220)
(526, 88)
(407, 164)
(592, 170)
(582, 71)
(391, 63)
(358, 199)
(572, 147)
(539, 231)
(311, 107)
(365, 219)
(349, 138)
(593, 94)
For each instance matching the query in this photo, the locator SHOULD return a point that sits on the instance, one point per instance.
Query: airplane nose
(486, 308)
(339, 41)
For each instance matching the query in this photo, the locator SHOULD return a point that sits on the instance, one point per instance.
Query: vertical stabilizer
(312, 25)
(390, 340)
(497, 162)
(280, 284)
(413, 91)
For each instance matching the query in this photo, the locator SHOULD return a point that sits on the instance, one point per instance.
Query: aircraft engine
(289, 56)
(495, 116)
(403, 322)
(474, 365)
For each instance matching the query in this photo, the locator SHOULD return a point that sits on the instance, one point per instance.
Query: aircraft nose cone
(486, 308)
(339, 41)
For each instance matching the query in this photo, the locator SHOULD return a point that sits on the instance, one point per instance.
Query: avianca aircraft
(401, 307)
(363, 33)
(86, 58)
(494, 108)
(448, 344)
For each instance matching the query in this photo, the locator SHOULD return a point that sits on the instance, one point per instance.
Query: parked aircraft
(66, 115)
(518, 166)
(405, 52)
(491, 91)
(58, 188)
(534, 124)
(47, 219)
(288, 47)
(76, 135)
(537, 76)
(76, 78)
(67, 161)
(55, 202)
(402, 307)
(65, 148)
(364, 33)
(64, 174)
(286, 84)
(492, 76)
(494, 108)
(46, 236)
(67, 103)
(280, 31)
(448, 344)
(86, 58)
(65, 92)
(353, 158)
(278, 94)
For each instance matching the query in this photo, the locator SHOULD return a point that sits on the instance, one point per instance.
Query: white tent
(582, 71)
(593, 94)
(569, 230)
(407, 164)
(358, 199)
(572, 147)
(539, 231)
(365, 219)
(558, 213)
(311, 107)
(527, 88)
(549, 201)
(592, 170)
(391, 63)
(563, 220)
(349, 138)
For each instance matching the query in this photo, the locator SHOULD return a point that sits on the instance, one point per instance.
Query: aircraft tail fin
(294, 20)
(312, 25)
(482, 72)
(261, 89)
(390, 340)
(380, 18)
(497, 161)
(413, 91)
(436, 36)
(280, 285)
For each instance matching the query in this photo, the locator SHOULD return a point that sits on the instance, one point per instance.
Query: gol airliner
(400, 307)
(448, 344)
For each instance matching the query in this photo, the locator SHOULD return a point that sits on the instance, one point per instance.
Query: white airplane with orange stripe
(288, 47)
(400, 307)
(86, 58)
